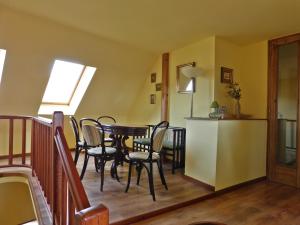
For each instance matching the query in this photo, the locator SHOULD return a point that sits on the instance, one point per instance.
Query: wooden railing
(52, 164)
(11, 154)
(42, 155)
(74, 194)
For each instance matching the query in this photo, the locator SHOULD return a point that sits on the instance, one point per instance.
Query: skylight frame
(64, 76)
(2, 62)
(72, 94)
(69, 107)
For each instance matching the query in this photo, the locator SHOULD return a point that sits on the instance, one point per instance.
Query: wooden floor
(262, 203)
(137, 201)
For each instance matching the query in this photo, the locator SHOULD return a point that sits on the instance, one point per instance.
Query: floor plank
(258, 204)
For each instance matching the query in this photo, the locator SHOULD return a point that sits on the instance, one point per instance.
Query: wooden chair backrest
(158, 135)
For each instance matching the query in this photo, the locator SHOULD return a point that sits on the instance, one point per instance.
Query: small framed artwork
(153, 77)
(152, 99)
(158, 87)
(226, 75)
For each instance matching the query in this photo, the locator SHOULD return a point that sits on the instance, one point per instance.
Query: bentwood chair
(93, 134)
(142, 143)
(145, 159)
(110, 120)
(79, 143)
(173, 145)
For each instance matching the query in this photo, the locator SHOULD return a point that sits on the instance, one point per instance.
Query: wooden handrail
(96, 215)
(43, 120)
(15, 117)
(78, 194)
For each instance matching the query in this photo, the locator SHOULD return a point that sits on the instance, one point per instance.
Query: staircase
(52, 165)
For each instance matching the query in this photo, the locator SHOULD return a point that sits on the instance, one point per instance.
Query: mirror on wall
(185, 82)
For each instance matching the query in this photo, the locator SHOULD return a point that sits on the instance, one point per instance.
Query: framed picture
(153, 77)
(152, 99)
(158, 87)
(226, 75)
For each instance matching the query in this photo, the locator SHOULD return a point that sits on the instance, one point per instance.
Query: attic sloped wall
(32, 45)
(142, 111)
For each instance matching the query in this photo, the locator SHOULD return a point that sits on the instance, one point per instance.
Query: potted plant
(214, 106)
(235, 93)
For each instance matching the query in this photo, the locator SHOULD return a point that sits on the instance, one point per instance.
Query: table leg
(118, 158)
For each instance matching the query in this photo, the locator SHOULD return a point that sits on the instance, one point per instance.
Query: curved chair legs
(129, 177)
(161, 174)
(139, 168)
(151, 183)
(86, 159)
(102, 168)
(96, 161)
(149, 169)
(77, 153)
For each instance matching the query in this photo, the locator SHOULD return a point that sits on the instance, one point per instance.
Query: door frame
(275, 171)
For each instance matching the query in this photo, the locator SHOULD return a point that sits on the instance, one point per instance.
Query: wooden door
(283, 110)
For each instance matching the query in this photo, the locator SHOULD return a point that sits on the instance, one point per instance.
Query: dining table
(120, 133)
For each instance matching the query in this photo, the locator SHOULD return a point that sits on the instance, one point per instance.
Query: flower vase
(237, 109)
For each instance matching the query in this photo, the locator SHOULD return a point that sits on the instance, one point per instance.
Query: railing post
(23, 141)
(58, 121)
(11, 141)
(32, 157)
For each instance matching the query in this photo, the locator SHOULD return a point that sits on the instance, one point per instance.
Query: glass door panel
(287, 104)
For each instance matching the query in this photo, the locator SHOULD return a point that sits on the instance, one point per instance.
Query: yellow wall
(223, 153)
(121, 85)
(16, 201)
(249, 64)
(227, 55)
(142, 112)
(201, 150)
(242, 151)
(254, 79)
(34, 43)
(203, 53)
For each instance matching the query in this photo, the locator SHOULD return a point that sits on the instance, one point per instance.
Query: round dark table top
(125, 130)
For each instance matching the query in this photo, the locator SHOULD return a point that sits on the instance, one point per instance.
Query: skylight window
(66, 86)
(2, 59)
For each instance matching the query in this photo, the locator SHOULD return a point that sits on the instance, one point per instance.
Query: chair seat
(169, 145)
(80, 143)
(98, 150)
(142, 141)
(142, 155)
(108, 139)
